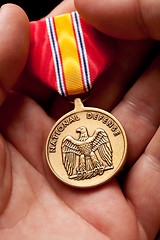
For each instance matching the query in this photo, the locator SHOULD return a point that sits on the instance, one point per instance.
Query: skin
(33, 203)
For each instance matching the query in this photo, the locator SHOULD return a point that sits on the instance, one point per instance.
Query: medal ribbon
(68, 54)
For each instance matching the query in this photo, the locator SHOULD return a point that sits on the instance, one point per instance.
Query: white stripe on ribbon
(82, 50)
(56, 56)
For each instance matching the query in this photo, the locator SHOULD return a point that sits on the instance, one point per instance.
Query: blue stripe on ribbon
(82, 49)
(56, 57)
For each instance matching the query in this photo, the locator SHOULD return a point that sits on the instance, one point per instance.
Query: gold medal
(86, 147)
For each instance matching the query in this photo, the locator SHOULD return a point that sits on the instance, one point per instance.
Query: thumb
(14, 45)
(127, 19)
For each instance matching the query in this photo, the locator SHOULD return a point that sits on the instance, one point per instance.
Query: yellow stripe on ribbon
(69, 54)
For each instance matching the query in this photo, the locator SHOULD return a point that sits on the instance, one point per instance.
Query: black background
(35, 9)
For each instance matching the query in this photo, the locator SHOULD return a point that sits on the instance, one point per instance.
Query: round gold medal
(86, 147)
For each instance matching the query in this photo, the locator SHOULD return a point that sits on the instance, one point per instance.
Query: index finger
(127, 19)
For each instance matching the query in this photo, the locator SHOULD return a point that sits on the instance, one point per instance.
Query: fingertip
(14, 19)
(13, 10)
(84, 8)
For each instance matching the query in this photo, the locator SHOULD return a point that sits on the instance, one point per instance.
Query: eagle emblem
(88, 156)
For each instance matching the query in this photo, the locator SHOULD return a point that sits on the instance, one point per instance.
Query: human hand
(35, 205)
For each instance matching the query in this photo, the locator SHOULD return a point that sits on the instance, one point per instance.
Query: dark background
(35, 9)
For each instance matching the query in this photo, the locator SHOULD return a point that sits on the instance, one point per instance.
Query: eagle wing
(101, 142)
(70, 149)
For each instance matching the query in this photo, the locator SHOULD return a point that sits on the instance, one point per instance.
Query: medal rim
(123, 159)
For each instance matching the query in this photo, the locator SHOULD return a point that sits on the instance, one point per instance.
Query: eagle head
(83, 133)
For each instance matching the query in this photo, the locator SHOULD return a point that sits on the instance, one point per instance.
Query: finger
(139, 111)
(143, 185)
(127, 19)
(14, 45)
(65, 6)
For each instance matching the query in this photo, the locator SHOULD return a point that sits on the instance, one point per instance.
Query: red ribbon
(49, 63)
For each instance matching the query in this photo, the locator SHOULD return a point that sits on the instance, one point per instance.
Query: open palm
(33, 203)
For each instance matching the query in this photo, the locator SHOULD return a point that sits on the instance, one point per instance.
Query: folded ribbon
(68, 54)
